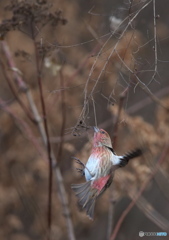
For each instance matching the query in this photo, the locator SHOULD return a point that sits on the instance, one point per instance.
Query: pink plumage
(99, 170)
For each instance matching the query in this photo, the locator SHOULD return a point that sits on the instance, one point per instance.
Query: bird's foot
(80, 170)
(79, 162)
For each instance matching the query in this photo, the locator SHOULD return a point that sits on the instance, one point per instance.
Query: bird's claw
(79, 162)
(80, 170)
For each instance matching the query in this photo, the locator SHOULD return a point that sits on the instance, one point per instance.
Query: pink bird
(99, 170)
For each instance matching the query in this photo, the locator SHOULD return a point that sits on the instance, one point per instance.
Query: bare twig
(48, 145)
(114, 142)
(18, 79)
(110, 214)
(27, 201)
(133, 109)
(27, 112)
(62, 191)
(155, 42)
(146, 101)
(162, 180)
(63, 106)
(94, 111)
(142, 85)
(151, 213)
(120, 106)
(137, 196)
(25, 126)
(130, 20)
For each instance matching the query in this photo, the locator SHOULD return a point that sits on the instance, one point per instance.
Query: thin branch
(155, 42)
(151, 213)
(94, 111)
(137, 196)
(120, 106)
(114, 143)
(133, 109)
(62, 191)
(142, 85)
(27, 112)
(88, 96)
(63, 110)
(18, 79)
(162, 180)
(25, 126)
(110, 55)
(48, 145)
(110, 213)
(146, 101)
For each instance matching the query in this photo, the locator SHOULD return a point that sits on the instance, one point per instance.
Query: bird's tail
(86, 196)
(133, 154)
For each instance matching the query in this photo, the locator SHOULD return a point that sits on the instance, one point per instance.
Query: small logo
(141, 234)
(152, 234)
(161, 234)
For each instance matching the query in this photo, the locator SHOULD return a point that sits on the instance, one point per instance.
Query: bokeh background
(94, 57)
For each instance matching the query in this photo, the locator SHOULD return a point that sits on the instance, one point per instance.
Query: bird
(99, 170)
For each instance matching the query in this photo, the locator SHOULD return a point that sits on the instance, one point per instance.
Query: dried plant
(65, 68)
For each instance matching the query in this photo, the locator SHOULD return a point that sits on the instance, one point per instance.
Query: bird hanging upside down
(99, 170)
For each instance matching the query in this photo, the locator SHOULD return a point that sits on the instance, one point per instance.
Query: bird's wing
(121, 161)
(130, 155)
(88, 192)
(86, 195)
(111, 149)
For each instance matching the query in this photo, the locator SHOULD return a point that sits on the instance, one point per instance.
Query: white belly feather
(93, 169)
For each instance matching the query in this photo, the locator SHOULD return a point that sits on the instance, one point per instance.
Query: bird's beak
(96, 129)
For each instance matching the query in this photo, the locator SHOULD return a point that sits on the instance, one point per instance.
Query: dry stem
(21, 84)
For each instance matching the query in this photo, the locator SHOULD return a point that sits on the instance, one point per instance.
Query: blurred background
(101, 63)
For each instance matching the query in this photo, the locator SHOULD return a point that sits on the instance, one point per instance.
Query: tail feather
(86, 196)
(124, 159)
(79, 188)
(90, 208)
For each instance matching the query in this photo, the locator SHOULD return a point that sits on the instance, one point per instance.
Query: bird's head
(101, 138)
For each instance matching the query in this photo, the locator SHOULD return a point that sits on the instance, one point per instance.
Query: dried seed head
(29, 14)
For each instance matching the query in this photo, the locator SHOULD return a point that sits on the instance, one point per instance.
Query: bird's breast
(98, 164)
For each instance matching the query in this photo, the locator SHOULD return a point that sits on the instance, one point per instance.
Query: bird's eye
(102, 132)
